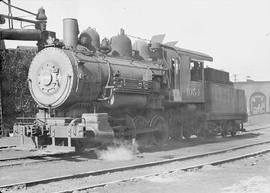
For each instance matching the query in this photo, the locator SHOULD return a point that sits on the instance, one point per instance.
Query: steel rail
(36, 156)
(257, 129)
(31, 161)
(34, 159)
(199, 166)
(124, 168)
(6, 147)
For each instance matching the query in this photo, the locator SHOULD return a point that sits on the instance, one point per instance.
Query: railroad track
(6, 147)
(198, 166)
(34, 159)
(28, 160)
(260, 128)
(28, 184)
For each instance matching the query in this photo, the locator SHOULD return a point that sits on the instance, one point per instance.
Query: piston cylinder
(70, 32)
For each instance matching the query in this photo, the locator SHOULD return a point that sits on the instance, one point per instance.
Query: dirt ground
(250, 175)
(258, 119)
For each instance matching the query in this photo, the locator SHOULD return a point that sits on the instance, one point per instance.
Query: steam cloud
(122, 152)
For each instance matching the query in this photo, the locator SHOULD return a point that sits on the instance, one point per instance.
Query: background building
(257, 96)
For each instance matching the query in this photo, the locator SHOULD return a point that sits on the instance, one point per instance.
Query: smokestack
(70, 32)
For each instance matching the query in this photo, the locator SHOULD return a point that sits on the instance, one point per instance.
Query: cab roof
(193, 54)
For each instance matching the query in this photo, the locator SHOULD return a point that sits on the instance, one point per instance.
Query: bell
(41, 14)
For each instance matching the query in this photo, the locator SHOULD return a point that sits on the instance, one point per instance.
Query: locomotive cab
(186, 75)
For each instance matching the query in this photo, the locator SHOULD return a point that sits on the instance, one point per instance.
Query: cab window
(196, 70)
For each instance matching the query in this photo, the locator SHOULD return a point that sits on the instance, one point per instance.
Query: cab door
(175, 63)
(187, 86)
(176, 95)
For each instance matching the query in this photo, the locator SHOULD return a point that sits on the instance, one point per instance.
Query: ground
(250, 175)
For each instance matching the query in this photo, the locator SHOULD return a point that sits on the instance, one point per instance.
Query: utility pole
(2, 133)
(235, 77)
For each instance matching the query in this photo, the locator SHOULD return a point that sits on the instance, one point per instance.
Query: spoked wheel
(224, 130)
(144, 139)
(160, 136)
(140, 122)
(233, 133)
(223, 133)
(131, 126)
(186, 133)
(187, 127)
(235, 128)
(228, 127)
(176, 131)
(201, 130)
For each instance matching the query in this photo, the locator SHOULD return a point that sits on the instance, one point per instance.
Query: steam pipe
(10, 21)
(17, 34)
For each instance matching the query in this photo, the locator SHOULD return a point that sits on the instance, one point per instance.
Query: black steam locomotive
(149, 91)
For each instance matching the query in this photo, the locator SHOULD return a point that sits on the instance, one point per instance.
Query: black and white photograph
(134, 96)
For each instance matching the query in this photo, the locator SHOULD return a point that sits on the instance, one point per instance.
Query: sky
(236, 33)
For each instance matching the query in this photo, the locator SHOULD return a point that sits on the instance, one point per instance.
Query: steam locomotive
(149, 91)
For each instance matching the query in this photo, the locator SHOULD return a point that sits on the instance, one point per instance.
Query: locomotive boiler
(147, 91)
